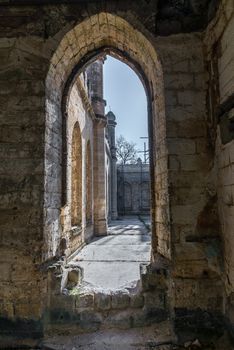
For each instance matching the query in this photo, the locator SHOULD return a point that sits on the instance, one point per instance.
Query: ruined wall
(76, 235)
(220, 35)
(195, 230)
(32, 80)
(22, 116)
(40, 46)
(225, 147)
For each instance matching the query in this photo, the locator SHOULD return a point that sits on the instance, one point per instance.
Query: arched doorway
(83, 44)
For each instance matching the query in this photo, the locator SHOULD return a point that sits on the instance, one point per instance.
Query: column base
(100, 228)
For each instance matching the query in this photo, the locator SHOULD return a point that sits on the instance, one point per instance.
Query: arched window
(76, 173)
(89, 185)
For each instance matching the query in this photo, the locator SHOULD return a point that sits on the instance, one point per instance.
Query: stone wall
(133, 189)
(69, 55)
(195, 230)
(22, 119)
(39, 52)
(42, 49)
(76, 234)
(222, 29)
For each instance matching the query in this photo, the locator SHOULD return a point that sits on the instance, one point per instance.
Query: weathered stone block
(120, 300)
(182, 146)
(178, 81)
(85, 300)
(155, 300)
(122, 320)
(139, 319)
(136, 301)
(90, 321)
(102, 301)
(153, 280)
(74, 277)
(5, 271)
(7, 309)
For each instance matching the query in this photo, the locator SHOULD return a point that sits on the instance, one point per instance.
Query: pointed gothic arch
(107, 33)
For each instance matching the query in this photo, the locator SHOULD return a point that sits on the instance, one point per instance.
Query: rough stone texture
(117, 38)
(157, 337)
(226, 59)
(222, 37)
(39, 48)
(196, 246)
(76, 232)
(76, 177)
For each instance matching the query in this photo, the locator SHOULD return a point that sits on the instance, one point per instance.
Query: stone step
(86, 313)
(87, 309)
(159, 337)
(103, 301)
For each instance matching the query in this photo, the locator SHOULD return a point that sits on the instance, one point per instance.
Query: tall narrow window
(76, 194)
(89, 186)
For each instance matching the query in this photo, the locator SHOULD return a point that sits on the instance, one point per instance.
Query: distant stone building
(133, 188)
(128, 185)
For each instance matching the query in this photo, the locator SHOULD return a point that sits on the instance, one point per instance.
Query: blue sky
(125, 96)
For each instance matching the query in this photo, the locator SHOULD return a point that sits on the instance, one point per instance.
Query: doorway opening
(115, 190)
(67, 68)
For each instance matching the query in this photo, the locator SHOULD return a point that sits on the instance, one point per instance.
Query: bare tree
(126, 151)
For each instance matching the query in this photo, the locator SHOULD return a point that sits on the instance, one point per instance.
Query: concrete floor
(113, 261)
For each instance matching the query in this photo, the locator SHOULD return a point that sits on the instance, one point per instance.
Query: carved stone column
(95, 83)
(99, 179)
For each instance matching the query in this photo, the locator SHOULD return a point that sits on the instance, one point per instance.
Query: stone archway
(111, 34)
